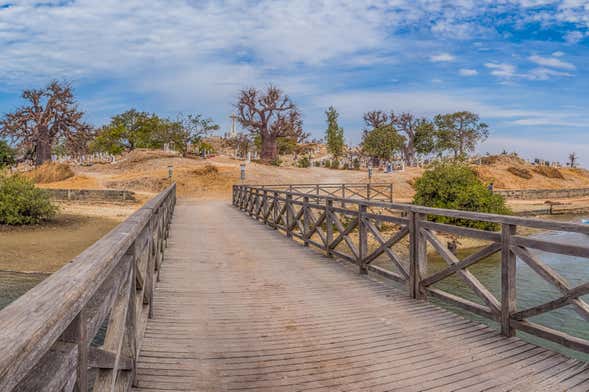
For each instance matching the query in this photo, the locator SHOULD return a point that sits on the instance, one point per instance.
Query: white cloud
(573, 37)
(502, 70)
(442, 57)
(551, 62)
(468, 72)
(542, 73)
(558, 54)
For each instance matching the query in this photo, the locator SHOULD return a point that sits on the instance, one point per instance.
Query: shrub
(550, 172)
(304, 162)
(276, 162)
(7, 156)
(21, 203)
(327, 164)
(335, 164)
(456, 186)
(520, 172)
(356, 164)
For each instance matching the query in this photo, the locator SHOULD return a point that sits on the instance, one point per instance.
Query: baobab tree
(271, 115)
(50, 116)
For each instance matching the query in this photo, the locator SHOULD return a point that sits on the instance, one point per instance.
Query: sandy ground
(48, 246)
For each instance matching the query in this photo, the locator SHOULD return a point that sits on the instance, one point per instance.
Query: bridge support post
(363, 239)
(329, 224)
(508, 284)
(306, 219)
(417, 254)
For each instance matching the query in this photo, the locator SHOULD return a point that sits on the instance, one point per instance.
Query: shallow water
(532, 289)
(15, 284)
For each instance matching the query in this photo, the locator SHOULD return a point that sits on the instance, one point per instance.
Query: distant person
(490, 187)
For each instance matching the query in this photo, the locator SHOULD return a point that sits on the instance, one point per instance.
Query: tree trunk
(269, 148)
(43, 147)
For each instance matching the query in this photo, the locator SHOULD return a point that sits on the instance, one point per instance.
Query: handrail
(341, 227)
(382, 191)
(45, 334)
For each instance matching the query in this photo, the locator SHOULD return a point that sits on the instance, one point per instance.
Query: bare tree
(573, 158)
(270, 114)
(51, 115)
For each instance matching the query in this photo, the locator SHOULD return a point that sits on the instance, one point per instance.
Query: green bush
(455, 186)
(276, 162)
(356, 164)
(304, 162)
(335, 164)
(6, 155)
(21, 203)
(327, 164)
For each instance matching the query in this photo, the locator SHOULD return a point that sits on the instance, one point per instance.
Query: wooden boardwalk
(240, 308)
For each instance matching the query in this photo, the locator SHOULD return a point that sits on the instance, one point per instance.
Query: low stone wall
(110, 195)
(545, 194)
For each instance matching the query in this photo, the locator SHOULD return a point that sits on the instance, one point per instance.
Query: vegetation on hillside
(454, 185)
(404, 135)
(21, 203)
(7, 155)
(334, 135)
(134, 129)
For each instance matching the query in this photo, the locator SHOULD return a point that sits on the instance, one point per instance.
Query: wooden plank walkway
(241, 308)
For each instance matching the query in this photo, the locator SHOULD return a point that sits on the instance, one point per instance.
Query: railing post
(288, 215)
(367, 191)
(77, 333)
(275, 211)
(329, 224)
(343, 195)
(265, 206)
(417, 254)
(363, 239)
(306, 218)
(508, 280)
(391, 193)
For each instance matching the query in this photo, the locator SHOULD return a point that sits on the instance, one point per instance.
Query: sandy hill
(146, 172)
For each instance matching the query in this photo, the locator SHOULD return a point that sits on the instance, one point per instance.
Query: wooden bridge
(235, 306)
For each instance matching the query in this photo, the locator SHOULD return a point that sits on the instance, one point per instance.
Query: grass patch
(520, 172)
(547, 171)
(50, 172)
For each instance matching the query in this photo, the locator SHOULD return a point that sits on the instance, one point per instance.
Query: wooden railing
(363, 191)
(46, 336)
(345, 232)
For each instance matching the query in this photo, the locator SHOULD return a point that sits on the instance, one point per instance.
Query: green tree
(191, 129)
(334, 135)
(382, 142)
(21, 203)
(460, 132)
(7, 155)
(126, 131)
(455, 186)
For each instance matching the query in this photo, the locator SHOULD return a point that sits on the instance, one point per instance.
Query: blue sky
(521, 64)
